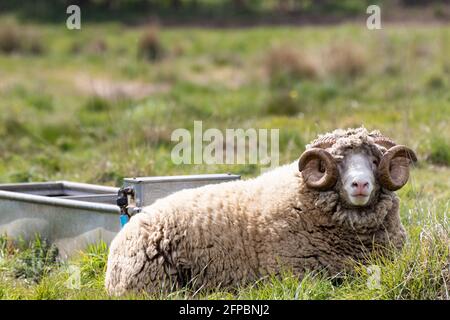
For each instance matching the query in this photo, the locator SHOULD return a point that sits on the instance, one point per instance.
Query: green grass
(440, 151)
(419, 271)
(58, 122)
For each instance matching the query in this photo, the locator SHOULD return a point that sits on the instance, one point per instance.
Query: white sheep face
(357, 173)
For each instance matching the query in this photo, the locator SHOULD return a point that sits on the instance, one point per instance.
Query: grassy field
(100, 104)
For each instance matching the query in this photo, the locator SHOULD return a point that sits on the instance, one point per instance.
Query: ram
(332, 206)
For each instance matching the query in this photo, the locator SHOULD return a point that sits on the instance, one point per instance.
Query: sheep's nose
(360, 186)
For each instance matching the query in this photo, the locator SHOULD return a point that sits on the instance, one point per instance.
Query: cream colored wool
(236, 232)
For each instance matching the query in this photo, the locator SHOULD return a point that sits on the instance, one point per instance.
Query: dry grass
(116, 90)
(16, 39)
(287, 62)
(283, 64)
(150, 46)
(345, 59)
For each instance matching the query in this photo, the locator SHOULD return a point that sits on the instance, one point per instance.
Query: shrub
(9, 39)
(15, 39)
(285, 64)
(345, 59)
(150, 47)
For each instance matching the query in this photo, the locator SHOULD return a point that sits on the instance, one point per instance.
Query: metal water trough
(72, 215)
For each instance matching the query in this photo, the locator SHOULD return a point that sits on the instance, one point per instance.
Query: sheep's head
(356, 163)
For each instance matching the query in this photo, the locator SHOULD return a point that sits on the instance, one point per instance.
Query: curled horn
(393, 170)
(384, 142)
(314, 175)
(323, 143)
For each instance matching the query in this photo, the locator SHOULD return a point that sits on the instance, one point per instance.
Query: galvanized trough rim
(197, 177)
(62, 183)
(67, 203)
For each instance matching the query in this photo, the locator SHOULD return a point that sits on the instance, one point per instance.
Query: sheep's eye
(375, 162)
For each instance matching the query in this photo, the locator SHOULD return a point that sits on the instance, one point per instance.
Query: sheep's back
(207, 234)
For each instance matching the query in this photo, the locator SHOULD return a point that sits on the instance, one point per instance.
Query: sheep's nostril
(360, 186)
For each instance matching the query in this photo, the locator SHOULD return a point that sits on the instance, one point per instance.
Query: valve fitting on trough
(127, 204)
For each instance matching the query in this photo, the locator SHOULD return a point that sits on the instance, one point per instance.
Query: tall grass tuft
(283, 102)
(419, 271)
(97, 104)
(285, 64)
(345, 59)
(35, 261)
(150, 46)
(439, 151)
(16, 39)
(285, 68)
(92, 263)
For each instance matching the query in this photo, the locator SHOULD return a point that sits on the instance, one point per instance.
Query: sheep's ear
(393, 170)
(318, 169)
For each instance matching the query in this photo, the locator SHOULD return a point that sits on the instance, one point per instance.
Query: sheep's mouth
(361, 195)
(359, 200)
